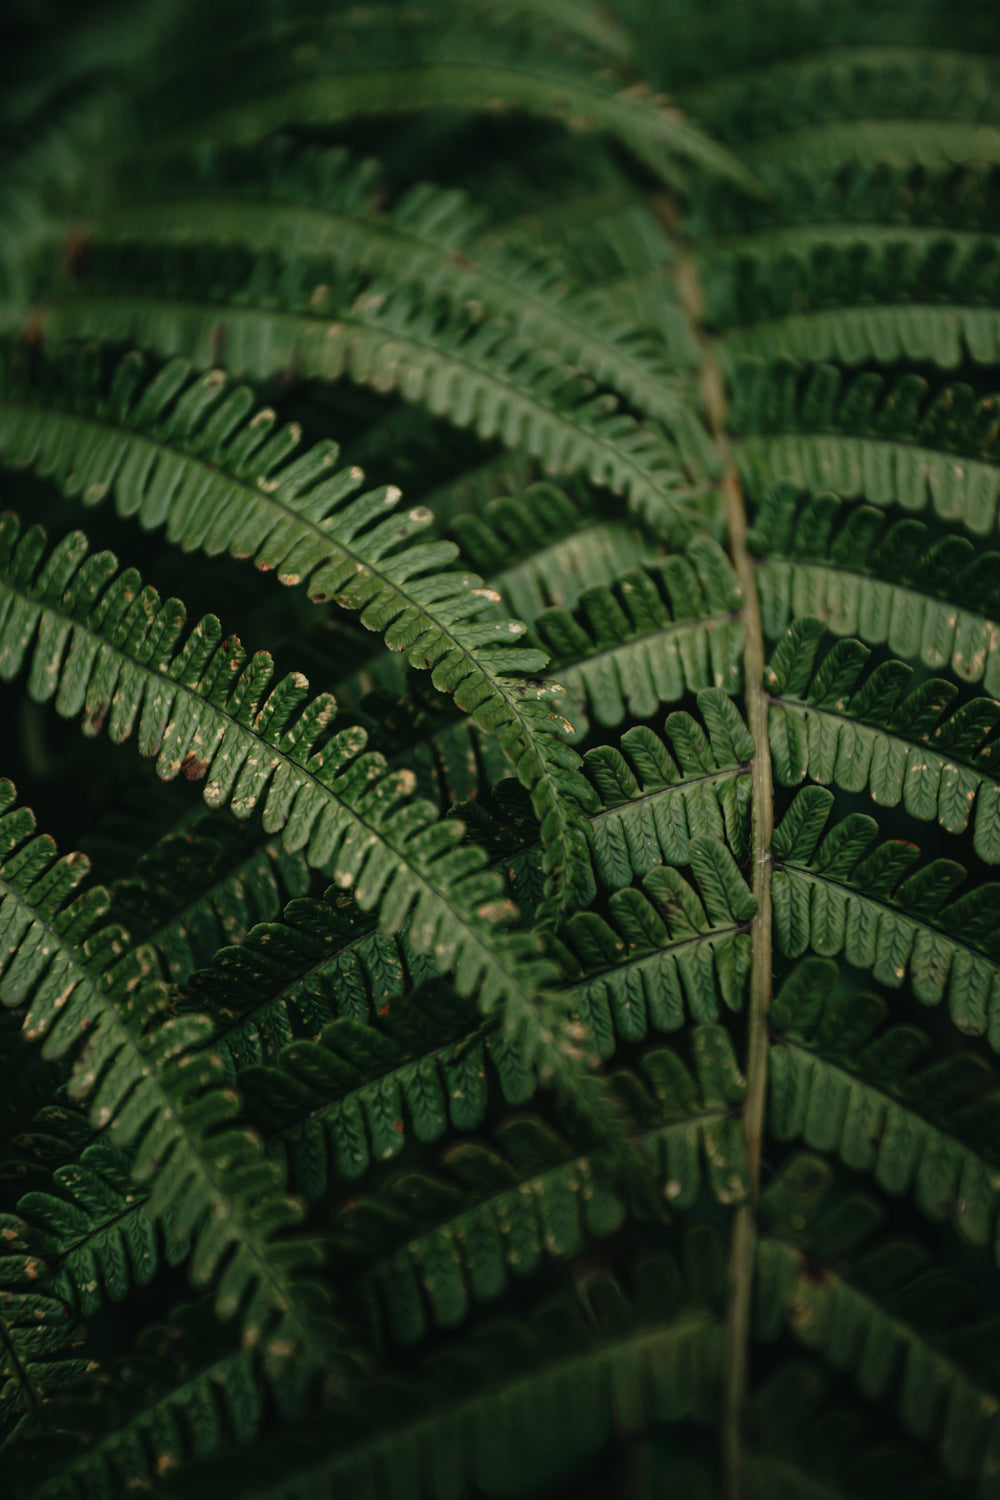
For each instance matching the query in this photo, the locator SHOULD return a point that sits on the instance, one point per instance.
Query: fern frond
(89, 1219)
(655, 793)
(930, 598)
(448, 753)
(621, 650)
(661, 632)
(542, 547)
(299, 315)
(333, 1107)
(809, 1445)
(429, 1247)
(654, 805)
(609, 239)
(844, 83)
(843, 1081)
(903, 444)
(38, 1332)
(942, 332)
(110, 650)
(388, 62)
(843, 896)
(922, 297)
(180, 1395)
(355, 1094)
(897, 294)
(484, 479)
(285, 200)
(186, 452)
(903, 1328)
(670, 950)
(600, 28)
(839, 725)
(829, 148)
(562, 1388)
(43, 178)
(396, 1064)
(325, 959)
(154, 1091)
(652, 796)
(693, 411)
(203, 886)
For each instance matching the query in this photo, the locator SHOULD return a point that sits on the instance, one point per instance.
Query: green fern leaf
(180, 1394)
(432, 1245)
(833, 724)
(195, 889)
(671, 950)
(891, 1324)
(154, 448)
(842, 1081)
(542, 547)
(660, 633)
(561, 1389)
(201, 711)
(843, 896)
(38, 1333)
(152, 1085)
(928, 599)
(93, 1230)
(900, 445)
(333, 1107)
(432, 236)
(322, 961)
(552, 997)
(475, 371)
(408, 63)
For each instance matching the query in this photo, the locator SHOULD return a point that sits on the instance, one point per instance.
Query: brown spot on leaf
(192, 768)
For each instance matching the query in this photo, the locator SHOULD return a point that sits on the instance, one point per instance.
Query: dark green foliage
(522, 1067)
(840, 725)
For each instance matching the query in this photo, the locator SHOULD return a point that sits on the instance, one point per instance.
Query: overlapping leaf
(904, 444)
(184, 451)
(432, 1245)
(285, 197)
(933, 599)
(298, 313)
(100, 644)
(842, 1080)
(671, 950)
(151, 1083)
(658, 634)
(839, 725)
(563, 1388)
(838, 891)
(904, 1329)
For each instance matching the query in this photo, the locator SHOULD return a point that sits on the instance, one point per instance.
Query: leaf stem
(743, 1249)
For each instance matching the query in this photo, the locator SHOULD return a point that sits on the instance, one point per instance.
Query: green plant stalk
(743, 1249)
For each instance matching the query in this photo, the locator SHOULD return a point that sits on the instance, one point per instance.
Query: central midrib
(744, 1237)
